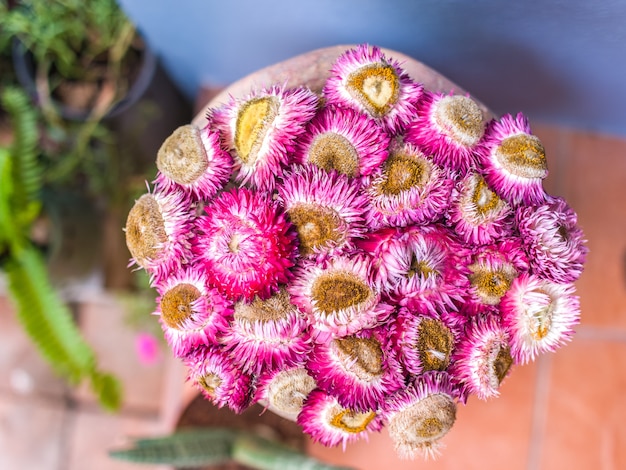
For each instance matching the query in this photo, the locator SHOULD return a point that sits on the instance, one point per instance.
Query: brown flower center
(423, 422)
(334, 291)
(331, 151)
(253, 122)
(502, 363)
(317, 227)
(523, 155)
(375, 87)
(351, 421)
(361, 356)
(491, 285)
(435, 343)
(273, 309)
(182, 157)
(145, 230)
(402, 172)
(460, 118)
(177, 304)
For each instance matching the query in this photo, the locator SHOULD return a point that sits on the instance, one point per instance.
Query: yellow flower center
(253, 123)
(334, 291)
(402, 172)
(491, 285)
(434, 343)
(375, 87)
(523, 155)
(483, 198)
(210, 383)
(352, 421)
(317, 227)
(361, 356)
(460, 118)
(145, 230)
(177, 304)
(421, 268)
(540, 320)
(182, 157)
(331, 151)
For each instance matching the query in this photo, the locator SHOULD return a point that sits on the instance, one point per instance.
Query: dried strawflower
(283, 391)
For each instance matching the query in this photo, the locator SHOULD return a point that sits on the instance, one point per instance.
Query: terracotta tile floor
(564, 411)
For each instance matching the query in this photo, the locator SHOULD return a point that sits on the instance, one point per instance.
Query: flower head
(261, 130)
(191, 160)
(344, 140)
(421, 414)
(539, 315)
(366, 80)
(553, 239)
(514, 161)
(245, 244)
(158, 229)
(448, 128)
(284, 390)
(326, 209)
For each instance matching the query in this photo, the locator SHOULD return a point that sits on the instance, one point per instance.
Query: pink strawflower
(283, 391)
(478, 215)
(191, 160)
(539, 315)
(366, 80)
(448, 128)
(357, 369)
(245, 244)
(261, 130)
(408, 188)
(554, 240)
(266, 334)
(147, 348)
(337, 297)
(218, 379)
(191, 313)
(326, 209)
(420, 415)
(344, 140)
(483, 356)
(158, 229)
(514, 161)
(327, 422)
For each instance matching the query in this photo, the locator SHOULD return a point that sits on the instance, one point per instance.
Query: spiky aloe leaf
(49, 323)
(192, 448)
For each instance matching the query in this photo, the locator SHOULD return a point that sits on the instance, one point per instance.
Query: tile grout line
(67, 427)
(540, 409)
(596, 333)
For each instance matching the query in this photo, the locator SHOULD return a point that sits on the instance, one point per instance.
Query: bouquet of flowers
(368, 256)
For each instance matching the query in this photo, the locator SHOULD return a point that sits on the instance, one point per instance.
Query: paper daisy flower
(514, 161)
(364, 79)
(326, 209)
(553, 239)
(407, 189)
(357, 369)
(540, 316)
(420, 415)
(218, 379)
(493, 269)
(483, 357)
(245, 244)
(158, 229)
(448, 128)
(191, 314)
(478, 215)
(260, 131)
(425, 341)
(191, 160)
(327, 422)
(266, 334)
(337, 297)
(342, 139)
(283, 391)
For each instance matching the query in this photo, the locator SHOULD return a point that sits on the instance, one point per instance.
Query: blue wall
(556, 60)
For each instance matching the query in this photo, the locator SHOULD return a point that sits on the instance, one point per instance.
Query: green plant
(199, 447)
(44, 316)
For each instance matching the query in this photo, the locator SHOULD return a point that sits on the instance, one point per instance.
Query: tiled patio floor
(566, 410)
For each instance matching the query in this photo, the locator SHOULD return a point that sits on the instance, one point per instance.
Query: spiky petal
(245, 244)
(261, 130)
(539, 315)
(191, 160)
(553, 239)
(283, 391)
(327, 422)
(448, 128)
(420, 415)
(363, 78)
(513, 160)
(342, 139)
(326, 209)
